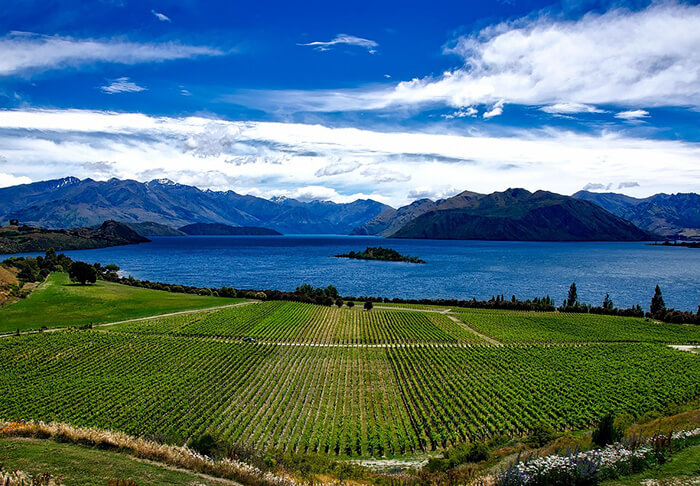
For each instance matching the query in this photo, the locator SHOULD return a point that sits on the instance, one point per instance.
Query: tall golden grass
(182, 457)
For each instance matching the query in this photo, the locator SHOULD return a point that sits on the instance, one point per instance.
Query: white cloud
(264, 157)
(625, 58)
(431, 192)
(160, 16)
(344, 39)
(597, 186)
(632, 114)
(122, 85)
(469, 112)
(26, 52)
(7, 180)
(628, 184)
(337, 168)
(570, 108)
(496, 110)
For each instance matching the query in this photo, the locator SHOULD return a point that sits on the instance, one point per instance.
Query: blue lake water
(454, 269)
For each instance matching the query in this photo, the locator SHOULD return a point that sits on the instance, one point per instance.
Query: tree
(658, 307)
(368, 305)
(14, 222)
(82, 273)
(608, 303)
(331, 291)
(606, 432)
(350, 304)
(339, 302)
(572, 299)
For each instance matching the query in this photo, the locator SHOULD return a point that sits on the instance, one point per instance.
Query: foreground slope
(517, 214)
(58, 302)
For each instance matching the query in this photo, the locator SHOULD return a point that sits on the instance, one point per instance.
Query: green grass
(86, 466)
(546, 327)
(683, 468)
(57, 302)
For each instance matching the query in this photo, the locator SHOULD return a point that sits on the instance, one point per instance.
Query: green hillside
(57, 302)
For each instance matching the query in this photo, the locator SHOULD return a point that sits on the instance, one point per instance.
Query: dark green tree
(339, 302)
(82, 273)
(606, 432)
(368, 305)
(658, 307)
(350, 304)
(607, 302)
(572, 299)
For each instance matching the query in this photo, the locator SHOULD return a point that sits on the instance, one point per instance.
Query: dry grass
(145, 449)
(20, 478)
(664, 425)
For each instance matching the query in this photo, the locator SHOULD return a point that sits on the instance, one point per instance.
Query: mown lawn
(58, 302)
(86, 466)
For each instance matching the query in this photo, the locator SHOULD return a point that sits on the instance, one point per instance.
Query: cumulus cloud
(434, 193)
(632, 114)
(497, 110)
(263, 157)
(570, 108)
(122, 85)
(24, 52)
(160, 16)
(649, 57)
(344, 39)
(7, 180)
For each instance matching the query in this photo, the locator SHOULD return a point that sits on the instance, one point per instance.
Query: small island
(381, 254)
(686, 244)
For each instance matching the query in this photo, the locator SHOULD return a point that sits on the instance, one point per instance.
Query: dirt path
(471, 329)
(192, 311)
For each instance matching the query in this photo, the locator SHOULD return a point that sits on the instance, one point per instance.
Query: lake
(454, 269)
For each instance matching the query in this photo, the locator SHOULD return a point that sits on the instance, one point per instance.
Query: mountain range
(514, 214)
(71, 202)
(670, 215)
(158, 206)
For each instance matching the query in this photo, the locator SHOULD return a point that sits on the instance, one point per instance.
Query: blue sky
(331, 100)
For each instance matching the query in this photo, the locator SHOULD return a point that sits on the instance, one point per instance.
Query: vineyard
(548, 327)
(338, 381)
(307, 323)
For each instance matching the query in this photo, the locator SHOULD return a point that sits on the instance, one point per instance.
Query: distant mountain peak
(163, 182)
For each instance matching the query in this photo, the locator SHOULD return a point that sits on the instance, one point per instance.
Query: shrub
(82, 273)
(205, 444)
(368, 305)
(350, 304)
(540, 435)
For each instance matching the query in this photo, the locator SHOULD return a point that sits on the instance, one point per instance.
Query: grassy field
(86, 466)
(57, 302)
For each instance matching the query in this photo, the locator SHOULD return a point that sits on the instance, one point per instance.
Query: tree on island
(572, 299)
(82, 273)
(658, 307)
(368, 305)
